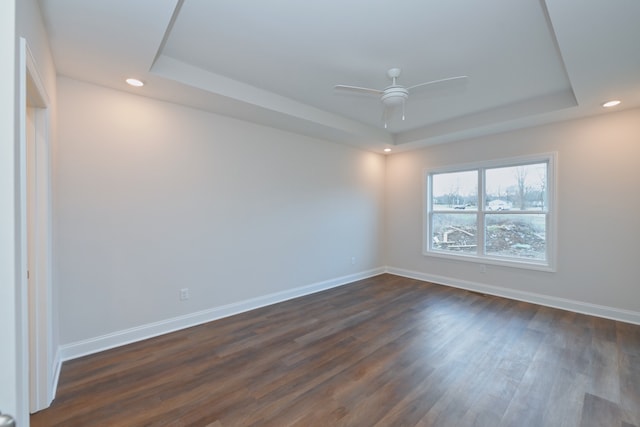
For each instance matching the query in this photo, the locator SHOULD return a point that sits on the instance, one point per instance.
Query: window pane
(520, 236)
(455, 232)
(456, 190)
(521, 187)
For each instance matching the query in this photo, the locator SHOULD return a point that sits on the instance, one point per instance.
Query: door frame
(35, 233)
(11, 335)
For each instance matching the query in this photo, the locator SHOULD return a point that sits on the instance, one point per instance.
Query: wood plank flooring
(385, 351)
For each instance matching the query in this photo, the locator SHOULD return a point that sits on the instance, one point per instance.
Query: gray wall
(151, 197)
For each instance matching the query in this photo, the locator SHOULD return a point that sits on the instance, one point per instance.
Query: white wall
(152, 197)
(598, 223)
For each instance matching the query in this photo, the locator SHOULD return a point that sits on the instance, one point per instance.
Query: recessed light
(135, 82)
(387, 150)
(610, 104)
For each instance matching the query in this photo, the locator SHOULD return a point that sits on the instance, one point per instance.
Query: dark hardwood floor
(386, 351)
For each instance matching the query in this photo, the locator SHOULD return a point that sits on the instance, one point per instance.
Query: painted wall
(153, 197)
(598, 223)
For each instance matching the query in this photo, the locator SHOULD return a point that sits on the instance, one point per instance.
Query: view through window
(496, 212)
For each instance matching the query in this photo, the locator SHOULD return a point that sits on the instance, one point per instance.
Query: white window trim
(549, 264)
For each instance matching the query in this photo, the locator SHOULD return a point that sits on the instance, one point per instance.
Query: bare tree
(454, 194)
(522, 189)
(542, 182)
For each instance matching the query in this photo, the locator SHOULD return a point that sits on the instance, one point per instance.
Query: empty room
(286, 213)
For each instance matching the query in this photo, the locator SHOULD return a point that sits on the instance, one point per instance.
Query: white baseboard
(606, 312)
(139, 333)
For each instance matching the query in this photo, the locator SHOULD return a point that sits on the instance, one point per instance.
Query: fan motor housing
(394, 95)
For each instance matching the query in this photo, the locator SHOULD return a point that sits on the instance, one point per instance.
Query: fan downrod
(393, 74)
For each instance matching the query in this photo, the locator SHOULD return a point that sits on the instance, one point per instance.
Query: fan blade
(356, 89)
(457, 79)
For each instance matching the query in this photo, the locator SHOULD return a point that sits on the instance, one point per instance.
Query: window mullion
(480, 217)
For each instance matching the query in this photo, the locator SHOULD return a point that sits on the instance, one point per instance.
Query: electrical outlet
(184, 294)
(353, 260)
(483, 268)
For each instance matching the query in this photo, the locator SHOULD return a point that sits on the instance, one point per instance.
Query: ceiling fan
(395, 94)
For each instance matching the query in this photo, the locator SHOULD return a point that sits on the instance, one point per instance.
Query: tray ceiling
(276, 62)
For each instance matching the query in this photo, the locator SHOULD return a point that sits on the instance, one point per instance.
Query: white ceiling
(275, 62)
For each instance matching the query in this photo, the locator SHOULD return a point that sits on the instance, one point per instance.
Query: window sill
(502, 262)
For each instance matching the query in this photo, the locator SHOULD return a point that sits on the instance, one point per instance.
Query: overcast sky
(498, 180)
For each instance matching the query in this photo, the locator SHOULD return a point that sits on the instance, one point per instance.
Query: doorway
(36, 231)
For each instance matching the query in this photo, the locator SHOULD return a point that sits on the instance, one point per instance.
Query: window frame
(551, 213)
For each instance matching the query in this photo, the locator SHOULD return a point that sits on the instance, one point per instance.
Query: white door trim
(36, 289)
(10, 333)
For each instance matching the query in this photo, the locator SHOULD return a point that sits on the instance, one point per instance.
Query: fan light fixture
(394, 96)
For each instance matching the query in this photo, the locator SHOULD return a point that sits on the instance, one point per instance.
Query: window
(495, 213)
